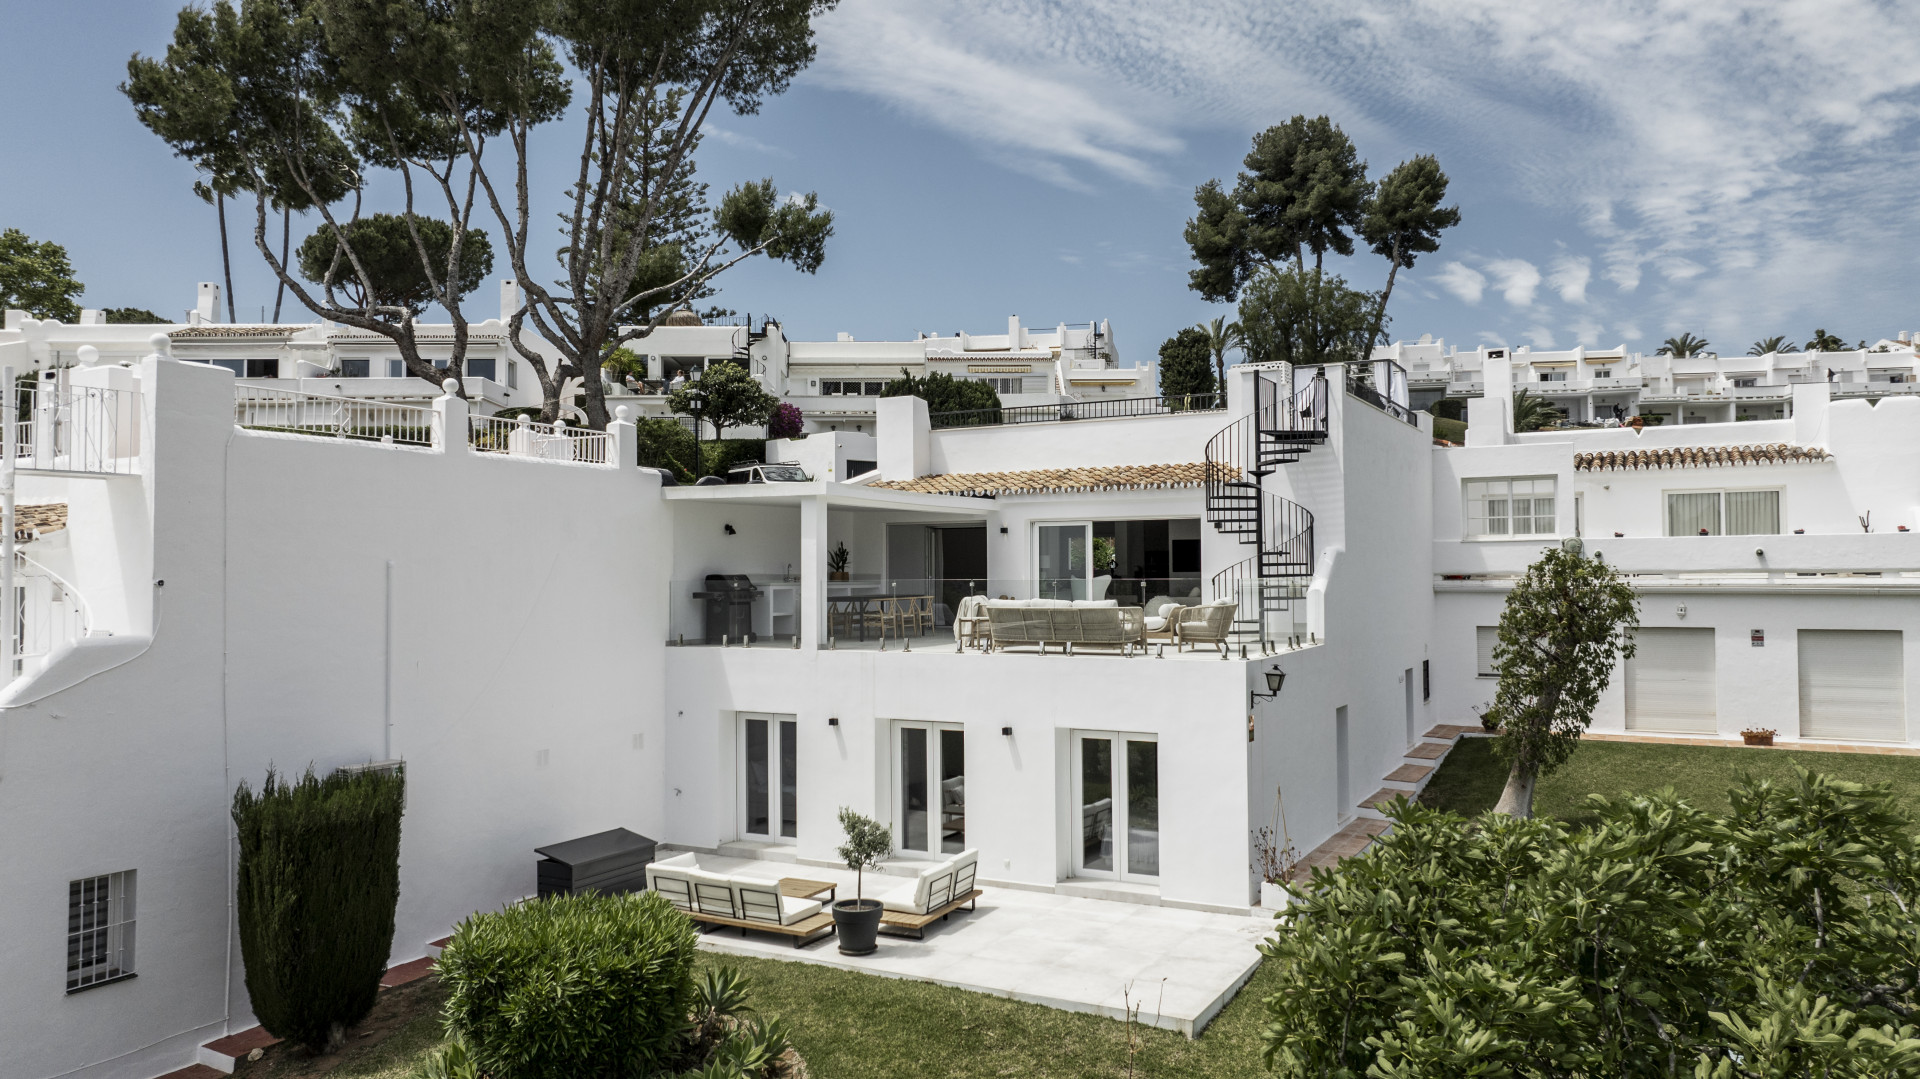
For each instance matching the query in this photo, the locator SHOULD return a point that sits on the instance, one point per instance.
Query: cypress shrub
(318, 880)
(572, 987)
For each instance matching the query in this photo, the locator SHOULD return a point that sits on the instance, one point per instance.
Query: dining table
(858, 608)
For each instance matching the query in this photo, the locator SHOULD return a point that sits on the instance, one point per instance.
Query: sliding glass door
(1116, 805)
(930, 787)
(1063, 561)
(769, 791)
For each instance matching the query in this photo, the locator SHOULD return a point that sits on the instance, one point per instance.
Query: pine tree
(1186, 364)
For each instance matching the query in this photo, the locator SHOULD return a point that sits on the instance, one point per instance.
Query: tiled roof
(194, 333)
(1774, 453)
(41, 519)
(1052, 481)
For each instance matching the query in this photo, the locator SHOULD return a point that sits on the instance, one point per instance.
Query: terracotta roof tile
(41, 519)
(1056, 480)
(1775, 453)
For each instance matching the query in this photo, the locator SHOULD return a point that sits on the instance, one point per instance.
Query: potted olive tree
(857, 920)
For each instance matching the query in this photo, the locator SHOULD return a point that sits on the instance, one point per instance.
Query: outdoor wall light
(1275, 679)
(1008, 731)
(833, 721)
(729, 529)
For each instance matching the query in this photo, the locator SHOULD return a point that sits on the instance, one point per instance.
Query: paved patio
(1081, 955)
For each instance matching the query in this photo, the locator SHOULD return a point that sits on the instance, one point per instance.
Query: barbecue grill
(729, 598)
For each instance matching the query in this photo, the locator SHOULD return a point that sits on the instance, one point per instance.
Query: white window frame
(1470, 522)
(775, 821)
(1485, 640)
(935, 758)
(1666, 509)
(105, 940)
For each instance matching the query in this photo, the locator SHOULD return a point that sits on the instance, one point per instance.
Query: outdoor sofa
(1067, 623)
(717, 899)
(935, 892)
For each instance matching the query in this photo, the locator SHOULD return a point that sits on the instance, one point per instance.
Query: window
(1484, 638)
(829, 388)
(1553, 376)
(1003, 385)
(769, 766)
(482, 368)
(513, 375)
(359, 367)
(1603, 372)
(1745, 383)
(872, 388)
(1510, 507)
(263, 368)
(99, 930)
(238, 367)
(1723, 513)
(396, 369)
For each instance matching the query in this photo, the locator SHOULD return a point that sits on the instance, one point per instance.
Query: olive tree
(1567, 622)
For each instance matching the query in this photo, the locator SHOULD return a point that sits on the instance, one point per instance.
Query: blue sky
(1625, 171)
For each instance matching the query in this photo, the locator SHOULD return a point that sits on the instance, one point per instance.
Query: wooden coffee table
(799, 888)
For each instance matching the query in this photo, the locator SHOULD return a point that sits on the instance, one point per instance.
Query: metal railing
(1392, 378)
(1091, 409)
(48, 613)
(521, 437)
(78, 429)
(261, 408)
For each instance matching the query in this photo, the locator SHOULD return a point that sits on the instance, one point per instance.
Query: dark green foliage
(1684, 345)
(1531, 413)
(317, 881)
(667, 444)
(571, 987)
(1404, 219)
(37, 278)
(1568, 620)
(119, 316)
(1186, 364)
(392, 261)
(1305, 317)
(1778, 940)
(725, 395)
(1776, 343)
(724, 454)
(944, 393)
(1451, 408)
(1822, 341)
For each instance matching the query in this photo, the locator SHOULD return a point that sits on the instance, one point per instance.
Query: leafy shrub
(1780, 940)
(944, 393)
(1186, 364)
(664, 443)
(317, 882)
(570, 987)
(722, 455)
(786, 421)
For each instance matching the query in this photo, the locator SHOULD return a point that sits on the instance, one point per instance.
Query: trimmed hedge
(569, 987)
(317, 883)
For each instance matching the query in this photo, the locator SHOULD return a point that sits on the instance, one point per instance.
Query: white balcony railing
(78, 429)
(52, 613)
(521, 437)
(264, 409)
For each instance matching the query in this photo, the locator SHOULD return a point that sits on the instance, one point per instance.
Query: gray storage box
(611, 862)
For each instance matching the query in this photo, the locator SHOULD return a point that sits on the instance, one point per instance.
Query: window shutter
(1484, 638)
(1852, 685)
(1670, 682)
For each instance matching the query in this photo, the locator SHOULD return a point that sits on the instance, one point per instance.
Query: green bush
(722, 455)
(943, 393)
(1452, 430)
(664, 443)
(317, 882)
(571, 987)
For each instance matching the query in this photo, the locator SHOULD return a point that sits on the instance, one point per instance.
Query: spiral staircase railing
(1286, 422)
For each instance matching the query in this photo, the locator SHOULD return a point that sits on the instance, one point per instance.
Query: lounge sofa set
(754, 903)
(1102, 623)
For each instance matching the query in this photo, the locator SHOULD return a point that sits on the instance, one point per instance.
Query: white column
(813, 572)
(622, 443)
(450, 416)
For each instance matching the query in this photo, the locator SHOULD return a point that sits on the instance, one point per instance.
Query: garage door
(1670, 682)
(1852, 685)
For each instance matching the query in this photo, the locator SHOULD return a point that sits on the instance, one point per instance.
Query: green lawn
(1469, 780)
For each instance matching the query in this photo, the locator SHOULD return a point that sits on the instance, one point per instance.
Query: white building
(834, 383)
(521, 616)
(1601, 386)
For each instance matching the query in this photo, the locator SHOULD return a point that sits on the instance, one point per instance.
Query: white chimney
(509, 299)
(1013, 333)
(207, 307)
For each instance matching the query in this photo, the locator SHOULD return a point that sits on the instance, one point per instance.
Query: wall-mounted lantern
(1275, 679)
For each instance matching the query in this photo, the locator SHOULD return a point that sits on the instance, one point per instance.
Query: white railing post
(9, 416)
(622, 445)
(451, 422)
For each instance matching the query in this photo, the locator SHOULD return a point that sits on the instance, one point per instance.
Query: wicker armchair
(1209, 623)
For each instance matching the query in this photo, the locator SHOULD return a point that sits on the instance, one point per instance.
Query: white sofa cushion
(916, 897)
(1095, 602)
(1155, 623)
(797, 910)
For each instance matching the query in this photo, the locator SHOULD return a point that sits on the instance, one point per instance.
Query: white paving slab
(1180, 966)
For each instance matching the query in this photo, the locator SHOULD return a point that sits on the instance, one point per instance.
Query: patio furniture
(921, 613)
(970, 622)
(1161, 611)
(1064, 622)
(1209, 623)
(935, 892)
(801, 888)
(746, 903)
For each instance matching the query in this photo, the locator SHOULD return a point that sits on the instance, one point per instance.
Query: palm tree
(1221, 336)
(1825, 342)
(1765, 345)
(1684, 345)
(1532, 413)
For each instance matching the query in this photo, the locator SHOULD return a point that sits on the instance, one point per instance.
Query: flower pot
(857, 921)
(839, 575)
(1757, 738)
(1272, 896)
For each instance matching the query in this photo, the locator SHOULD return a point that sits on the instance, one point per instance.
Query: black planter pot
(857, 921)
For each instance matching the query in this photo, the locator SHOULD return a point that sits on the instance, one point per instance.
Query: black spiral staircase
(1285, 424)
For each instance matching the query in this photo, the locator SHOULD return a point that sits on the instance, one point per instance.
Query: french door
(930, 787)
(1063, 559)
(1116, 805)
(769, 794)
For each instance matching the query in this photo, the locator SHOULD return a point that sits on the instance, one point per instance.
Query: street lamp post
(697, 404)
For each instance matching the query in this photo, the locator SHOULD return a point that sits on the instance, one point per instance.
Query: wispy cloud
(1516, 278)
(1723, 145)
(1462, 280)
(741, 141)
